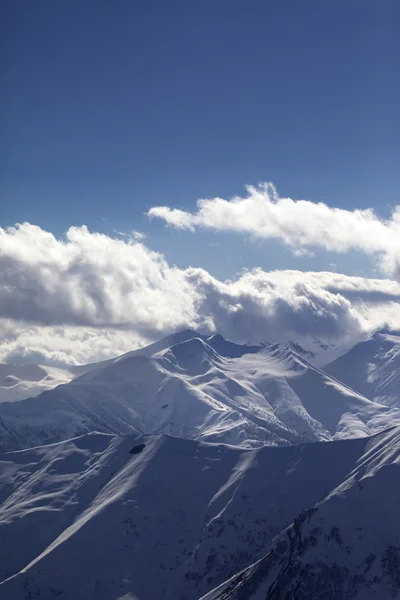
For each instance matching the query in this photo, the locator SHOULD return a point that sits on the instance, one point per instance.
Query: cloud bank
(90, 296)
(300, 224)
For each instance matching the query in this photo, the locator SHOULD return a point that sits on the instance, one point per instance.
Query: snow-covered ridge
(372, 367)
(175, 468)
(198, 388)
(346, 546)
(162, 517)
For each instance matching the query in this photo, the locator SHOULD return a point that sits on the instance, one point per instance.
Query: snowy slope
(160, 517)
(321, 353)
(25, 381)
(219, 343)
(347, 546)
(148, 351)
(372, 367)
(210, 390)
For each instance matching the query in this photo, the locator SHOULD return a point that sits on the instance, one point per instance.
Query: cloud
(88, 279)
(300, 224)
(138, 235)
(259, 307)
(90, 296)
(63, 345)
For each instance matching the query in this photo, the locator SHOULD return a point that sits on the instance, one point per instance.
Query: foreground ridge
(158, 516)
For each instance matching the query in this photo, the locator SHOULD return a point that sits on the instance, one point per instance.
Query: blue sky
(112, 108)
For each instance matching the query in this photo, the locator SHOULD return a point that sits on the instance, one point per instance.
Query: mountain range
(196, 467)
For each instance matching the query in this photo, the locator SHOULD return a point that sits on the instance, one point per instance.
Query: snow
(87, 518)
(372, 367)
(197, 467)
(267, 395)
(320, 353)
(148, 351)
(25, 381)
(347, 545)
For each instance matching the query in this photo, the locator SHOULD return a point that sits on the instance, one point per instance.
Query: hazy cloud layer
(300, 224)
(90, 296)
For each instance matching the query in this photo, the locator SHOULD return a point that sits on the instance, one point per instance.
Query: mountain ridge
(346, 546)
(235, 500)
(374, 367)
(202, 469)
(251, 396)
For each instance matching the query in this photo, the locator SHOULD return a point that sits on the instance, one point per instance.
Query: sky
(204, 140)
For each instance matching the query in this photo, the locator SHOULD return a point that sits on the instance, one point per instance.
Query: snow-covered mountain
(24, 381)
(346, 546)
(199, 461)
(160, 517)
(322, 352)
(372, 367)
(18, 382)
(198, 388)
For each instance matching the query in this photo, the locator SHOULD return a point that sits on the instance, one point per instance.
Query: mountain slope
(222, 346)
(156, 517)
(347, 546)
(372, 368)
(318, 352)
(210, 389)
(25, 381)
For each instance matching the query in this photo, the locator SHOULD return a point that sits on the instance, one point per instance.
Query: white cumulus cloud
(300, 224)
(90, 296)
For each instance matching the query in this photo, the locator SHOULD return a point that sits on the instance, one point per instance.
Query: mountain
(150, 517)
(372, 368)
(200, 468)
(24, 381)
(321, 352)
(346, 546)
(150, 350)
(18, 382)
(200, 388)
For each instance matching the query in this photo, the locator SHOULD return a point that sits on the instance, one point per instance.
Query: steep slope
(154, 517)
(347, 546)
(320, 353)
(372, 368)
(250, 397)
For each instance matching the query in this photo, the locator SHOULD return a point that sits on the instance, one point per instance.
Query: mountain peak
(384, 331)
(193, 356)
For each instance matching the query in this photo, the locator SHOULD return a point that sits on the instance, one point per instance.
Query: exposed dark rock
(137, 449)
